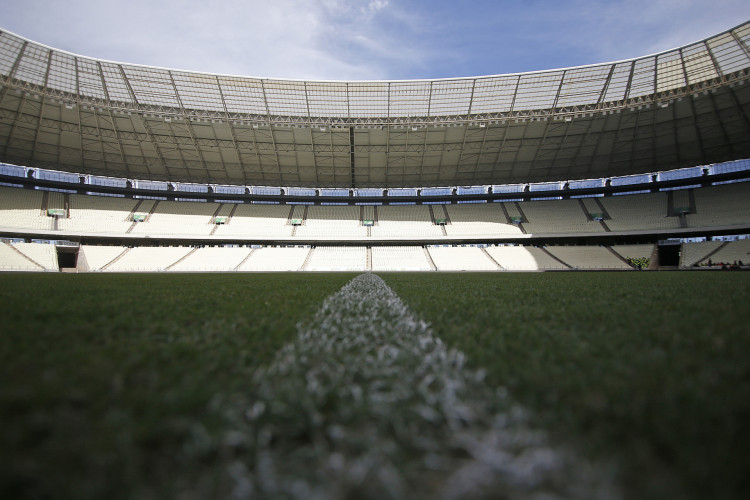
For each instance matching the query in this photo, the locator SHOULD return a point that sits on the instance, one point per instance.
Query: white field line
(368, 403)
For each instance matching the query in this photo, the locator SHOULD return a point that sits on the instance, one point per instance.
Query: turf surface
(115, 385)
(650, 369)
(108, 382)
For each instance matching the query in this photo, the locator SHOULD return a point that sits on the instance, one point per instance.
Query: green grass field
(118, 386)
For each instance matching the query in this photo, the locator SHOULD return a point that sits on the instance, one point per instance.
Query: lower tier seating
(18, 256)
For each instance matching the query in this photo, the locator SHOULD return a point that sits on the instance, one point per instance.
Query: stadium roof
(682, 107)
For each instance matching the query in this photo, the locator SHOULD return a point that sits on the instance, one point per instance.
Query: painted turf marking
(368, 403)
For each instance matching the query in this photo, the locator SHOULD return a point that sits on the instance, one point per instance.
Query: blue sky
(369, 39)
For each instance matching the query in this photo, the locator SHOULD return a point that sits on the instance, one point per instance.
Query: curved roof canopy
(683, 107)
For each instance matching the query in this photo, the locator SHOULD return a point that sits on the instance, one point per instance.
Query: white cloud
(284, 38)
(368, 39)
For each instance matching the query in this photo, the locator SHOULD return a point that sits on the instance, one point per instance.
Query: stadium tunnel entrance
(669, 253)
(67, 257)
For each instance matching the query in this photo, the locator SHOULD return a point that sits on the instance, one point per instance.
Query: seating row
(18, 256)
(85, 214)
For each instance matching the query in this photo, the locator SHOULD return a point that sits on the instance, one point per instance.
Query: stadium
(158, 225)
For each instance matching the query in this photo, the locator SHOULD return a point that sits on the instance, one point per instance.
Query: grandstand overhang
(684, 107)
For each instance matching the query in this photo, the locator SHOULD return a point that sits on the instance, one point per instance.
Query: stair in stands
(558, 259)
(369, 259)
(505, 213)
(24, 255)
(691, 201)
(487, 254)
(601, 207)
(447, 217)
(153, 209)
(132, 214)
(711, 253)
(231, 214)
(213, 219)
(429, 258)
(251, 252)
(307, 259)
(604, 213)
(614, 252)
(104, 267)
(683, 221)
(653, 264)
(670, 203)
(191, 252)
(523, 215)
(45, 202)
(135, 209)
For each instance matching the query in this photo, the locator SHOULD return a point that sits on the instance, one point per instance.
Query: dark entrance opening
(67, 256)
(669, 253)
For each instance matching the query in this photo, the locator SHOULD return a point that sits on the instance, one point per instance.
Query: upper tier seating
(178, 218)
(727, 204)
(256, 220)
(22, 208)
(26, 209)
(638, 212)
(98, 214)
(478, 219)
(332, 222)
(405, 221)
(557, 216)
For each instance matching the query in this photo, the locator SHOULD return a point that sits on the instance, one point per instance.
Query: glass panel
(538, 91)
(243, 95)
(583, 86)
(643, 78)
(494, 94)
(10, 47)
(151, 86)
(198, 91)
(89, 79)
(368, 100)
(116, 86)
(450, 97)
(618, 84)
(62, 73)
(698, 64)
(32, 67)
